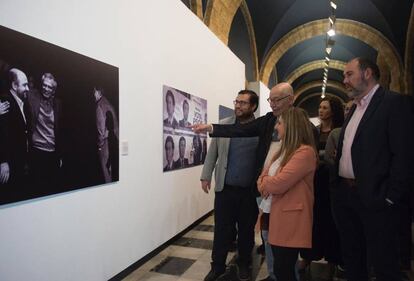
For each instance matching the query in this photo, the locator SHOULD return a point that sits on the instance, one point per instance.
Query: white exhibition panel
(94, 233)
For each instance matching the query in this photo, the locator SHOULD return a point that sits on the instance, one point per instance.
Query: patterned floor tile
(173, 266)
(194, 243)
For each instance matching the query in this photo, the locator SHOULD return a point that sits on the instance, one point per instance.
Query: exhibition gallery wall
(113, 63)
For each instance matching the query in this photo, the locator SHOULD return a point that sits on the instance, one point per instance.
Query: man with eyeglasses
(281, 98)
(235, 205)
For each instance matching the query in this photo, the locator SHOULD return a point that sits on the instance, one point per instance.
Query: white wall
(94, 233)
(263, 91)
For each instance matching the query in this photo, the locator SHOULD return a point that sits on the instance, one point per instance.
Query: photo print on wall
(182, 147)
(59, 125)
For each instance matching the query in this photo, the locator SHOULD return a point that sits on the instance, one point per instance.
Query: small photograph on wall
(59, 122)
(182, 147)
(225, 112)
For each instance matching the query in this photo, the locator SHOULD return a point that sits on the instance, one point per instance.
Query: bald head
(18, 83)
(281, 98)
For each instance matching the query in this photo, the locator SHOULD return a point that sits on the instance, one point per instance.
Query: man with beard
(374, 161)
(234, 204)
(14, 132)
(181, 162)
(45, 150)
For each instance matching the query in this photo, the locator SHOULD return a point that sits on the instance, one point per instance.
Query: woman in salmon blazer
(289, 179)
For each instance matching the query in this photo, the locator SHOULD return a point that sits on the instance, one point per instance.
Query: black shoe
(214, 275)
(243, 272)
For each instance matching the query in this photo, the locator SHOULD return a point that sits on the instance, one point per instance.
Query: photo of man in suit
(170, 121)
(184, 122)
(169, 153)
(14, 134)
(181, 162)
(374, 165)
(45, 149)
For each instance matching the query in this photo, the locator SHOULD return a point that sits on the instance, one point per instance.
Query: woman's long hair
(298, 131)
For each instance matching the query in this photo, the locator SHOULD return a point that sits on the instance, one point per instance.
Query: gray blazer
(216, 158)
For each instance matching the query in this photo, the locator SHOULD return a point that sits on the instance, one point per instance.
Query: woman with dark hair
(325, 236)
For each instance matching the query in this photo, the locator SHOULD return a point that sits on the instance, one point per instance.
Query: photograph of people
(169, 153)
(45, 149)
(108, 135)
(14, 137)
(184, 123)
(181, 162)
(289, 179)
(197, 150)
(170, 104)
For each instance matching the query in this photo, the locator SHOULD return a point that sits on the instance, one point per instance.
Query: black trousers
(284, 260)
(233, 206)
(44, 167)
(368, 237)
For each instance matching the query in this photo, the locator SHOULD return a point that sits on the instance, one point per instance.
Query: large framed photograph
(182, 147)
(59, 122)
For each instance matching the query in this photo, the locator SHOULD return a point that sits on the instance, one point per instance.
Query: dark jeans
(45, 168)
(368, 237)
(284, 260)
(233, 206)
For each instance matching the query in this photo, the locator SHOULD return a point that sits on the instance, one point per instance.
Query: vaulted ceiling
(285, 40)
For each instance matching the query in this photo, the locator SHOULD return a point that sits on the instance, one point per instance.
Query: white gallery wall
(94, 233)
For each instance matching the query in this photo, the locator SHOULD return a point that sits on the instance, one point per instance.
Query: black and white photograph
(59, 119)
(182, 147)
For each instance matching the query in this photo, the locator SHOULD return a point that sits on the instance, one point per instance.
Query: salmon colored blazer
(291, 214)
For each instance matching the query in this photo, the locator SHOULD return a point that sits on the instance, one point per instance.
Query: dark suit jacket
(14, 132)
(262, 127)
(177, 164)
(382, 153)
(173, 125)
(34, 98)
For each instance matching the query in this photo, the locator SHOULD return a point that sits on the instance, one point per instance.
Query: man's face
(279, 101)
(21, 86)
(182, 148)
(48, 88)
(242, 107)
(185, 110)
(169, 151)
(170, 106)
(354, 80)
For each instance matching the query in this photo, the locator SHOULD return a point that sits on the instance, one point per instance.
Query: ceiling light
(331, 32)
(328, 50)
(333, 5)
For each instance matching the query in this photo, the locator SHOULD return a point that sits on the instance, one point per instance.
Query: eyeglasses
(274, 100)
(240, 102)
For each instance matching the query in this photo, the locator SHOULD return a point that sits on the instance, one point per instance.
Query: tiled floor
(188, 259)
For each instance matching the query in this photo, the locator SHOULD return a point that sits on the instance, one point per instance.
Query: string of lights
(330, 42)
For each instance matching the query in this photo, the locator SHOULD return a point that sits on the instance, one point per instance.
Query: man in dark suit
(374, 160)
(46, 140)
(181, 162)
(14, 131)
(169, 153)
(184, 123)
(170, 121)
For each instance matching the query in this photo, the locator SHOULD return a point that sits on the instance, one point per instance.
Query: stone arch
(308, 67)
(345, 27)
(332, 84)
(219, 16)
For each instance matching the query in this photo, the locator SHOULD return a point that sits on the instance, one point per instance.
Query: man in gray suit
(234, 203)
